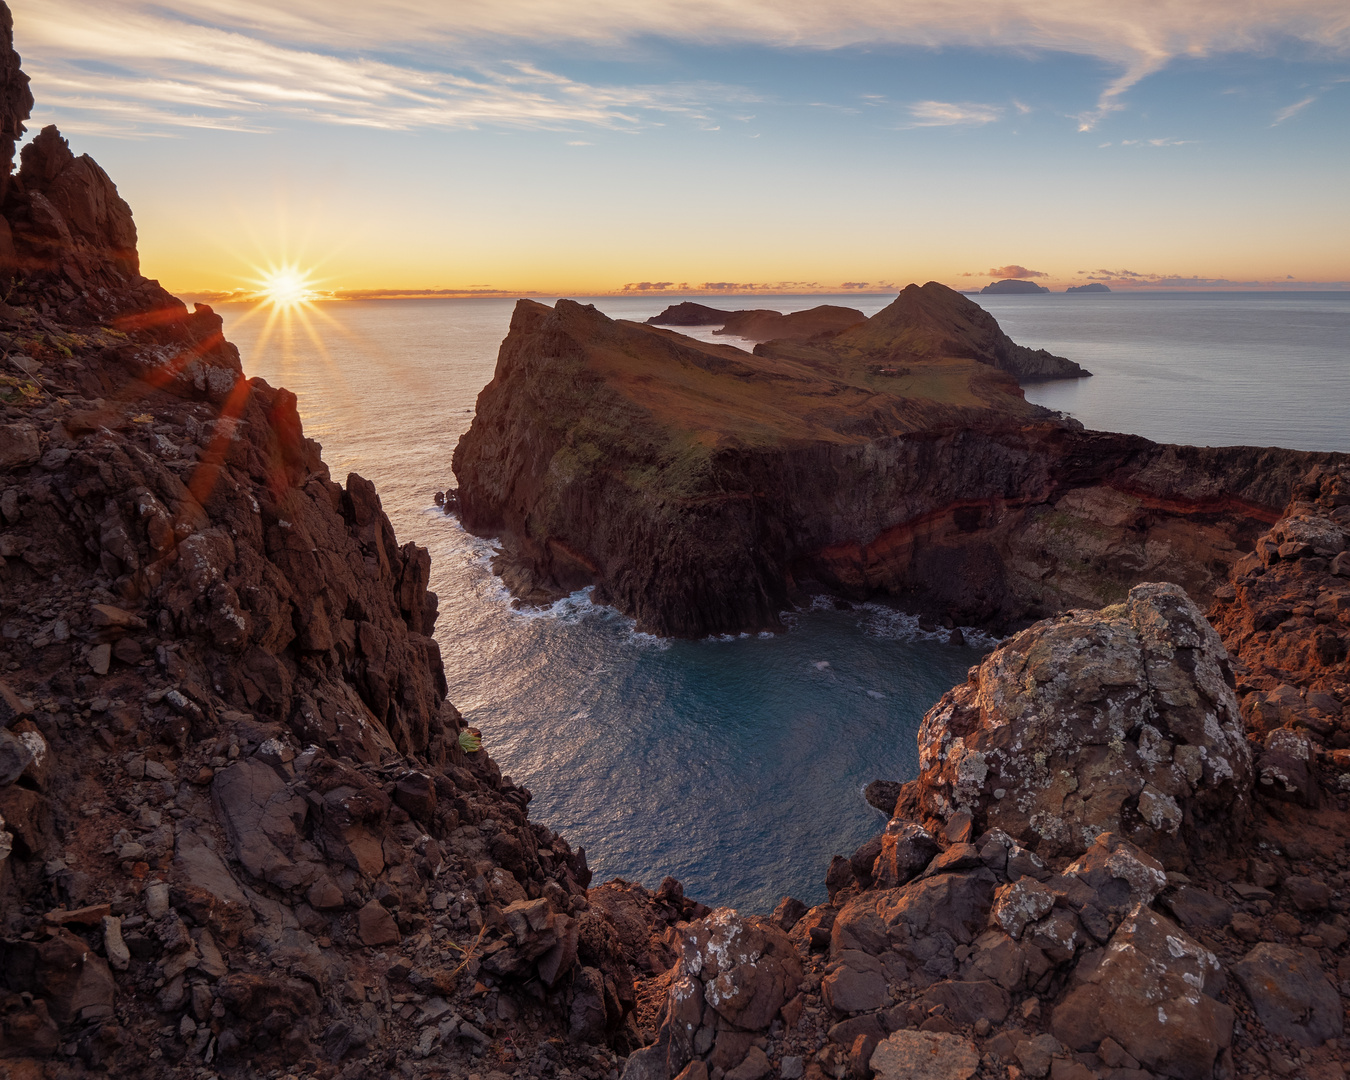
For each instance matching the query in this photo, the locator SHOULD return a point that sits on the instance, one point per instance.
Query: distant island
(1095, 286)
(1014, 285)
(691, 314)
(761, 324)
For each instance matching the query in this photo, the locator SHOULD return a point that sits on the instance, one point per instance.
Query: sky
(538, 146)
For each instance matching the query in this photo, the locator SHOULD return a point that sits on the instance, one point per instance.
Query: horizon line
(224, 296)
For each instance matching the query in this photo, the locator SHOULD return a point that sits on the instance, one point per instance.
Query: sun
(286, 287)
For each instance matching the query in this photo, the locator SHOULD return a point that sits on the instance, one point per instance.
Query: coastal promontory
(702, 489)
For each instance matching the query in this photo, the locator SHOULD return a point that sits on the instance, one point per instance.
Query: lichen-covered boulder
(734, 973)
(1122, 720)
(747, 966)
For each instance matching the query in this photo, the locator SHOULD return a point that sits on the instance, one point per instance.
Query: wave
(882, 621)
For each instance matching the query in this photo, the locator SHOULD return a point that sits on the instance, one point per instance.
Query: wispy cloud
(138, 72)
(318, 58)
(952, 114)
(1294, 109)
(1167, 141)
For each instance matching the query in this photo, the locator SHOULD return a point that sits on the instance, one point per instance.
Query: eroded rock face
(1286, 620)
(64, 190)
(1122, 721)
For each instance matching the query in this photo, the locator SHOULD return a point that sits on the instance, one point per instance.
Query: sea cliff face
(700, 490)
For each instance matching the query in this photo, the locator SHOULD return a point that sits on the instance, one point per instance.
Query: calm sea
(737, 765)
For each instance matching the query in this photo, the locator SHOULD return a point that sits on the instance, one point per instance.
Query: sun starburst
(285, 287)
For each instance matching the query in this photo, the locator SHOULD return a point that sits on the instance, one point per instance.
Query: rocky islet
(244, 832)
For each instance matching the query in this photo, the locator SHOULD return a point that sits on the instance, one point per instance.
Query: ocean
(737, 765)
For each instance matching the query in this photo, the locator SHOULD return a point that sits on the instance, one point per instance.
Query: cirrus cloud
(952, 114)
(407, 63)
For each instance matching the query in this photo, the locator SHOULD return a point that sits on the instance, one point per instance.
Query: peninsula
(702, 489)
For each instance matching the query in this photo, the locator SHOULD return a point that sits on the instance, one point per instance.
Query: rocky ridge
(762, 324)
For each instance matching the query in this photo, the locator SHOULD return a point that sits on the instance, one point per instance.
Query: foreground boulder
(734, 975)
(1154, 991)
(1292, 996)
(1121, 721)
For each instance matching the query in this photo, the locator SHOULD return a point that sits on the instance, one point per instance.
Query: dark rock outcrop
(16, 102)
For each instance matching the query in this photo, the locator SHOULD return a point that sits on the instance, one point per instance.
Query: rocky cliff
(701, 489)
(241, 827)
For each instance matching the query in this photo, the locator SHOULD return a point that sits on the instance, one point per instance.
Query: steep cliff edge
(699, 488)
(241, 827)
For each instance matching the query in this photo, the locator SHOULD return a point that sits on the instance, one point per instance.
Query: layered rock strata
(702, 490)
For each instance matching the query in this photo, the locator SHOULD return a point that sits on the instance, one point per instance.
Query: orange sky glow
(534, 147)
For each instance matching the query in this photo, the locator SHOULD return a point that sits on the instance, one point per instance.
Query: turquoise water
(735, 765)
